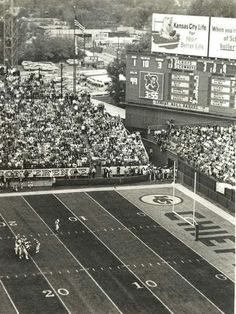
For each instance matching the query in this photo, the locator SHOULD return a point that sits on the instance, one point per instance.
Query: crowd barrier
(206, 185)
(115, 180)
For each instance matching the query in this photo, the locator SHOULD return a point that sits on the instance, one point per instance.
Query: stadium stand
(209, 149)
(42, 129)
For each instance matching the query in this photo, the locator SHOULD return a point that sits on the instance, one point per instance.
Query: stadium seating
(209, 149)
(42, 129)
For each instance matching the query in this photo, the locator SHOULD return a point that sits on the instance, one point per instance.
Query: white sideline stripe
(206, 203)
(154, 251)
(4, 288)
(180, 240)
(80, 190)
(181, 188)
(74, 257)
(115, 256)
(41, 272)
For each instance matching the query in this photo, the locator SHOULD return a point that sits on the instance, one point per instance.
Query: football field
(117, 251)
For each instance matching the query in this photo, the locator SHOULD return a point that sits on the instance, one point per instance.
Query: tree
(226, 8)
(45, 48)
(114, 69)
(117, 87)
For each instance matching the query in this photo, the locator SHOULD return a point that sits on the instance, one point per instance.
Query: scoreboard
(187, 83)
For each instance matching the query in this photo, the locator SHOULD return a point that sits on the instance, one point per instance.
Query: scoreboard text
(180, 82)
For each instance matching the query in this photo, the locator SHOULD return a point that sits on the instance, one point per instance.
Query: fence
(206, 185)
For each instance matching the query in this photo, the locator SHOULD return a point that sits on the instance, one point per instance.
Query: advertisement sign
(180, 34)
(222, 38)
(151, 85)
(45, 173)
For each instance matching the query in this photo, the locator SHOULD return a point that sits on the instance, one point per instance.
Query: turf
(104, 259)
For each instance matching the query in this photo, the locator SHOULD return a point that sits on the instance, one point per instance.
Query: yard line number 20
(50, 294)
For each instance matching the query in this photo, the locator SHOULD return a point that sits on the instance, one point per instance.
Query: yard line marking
(152, 249)
(82, 217)
(144, 283)
(73, 256)
(8, 295)
(40, 271)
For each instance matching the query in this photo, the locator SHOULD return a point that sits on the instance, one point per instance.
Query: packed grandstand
(210, 149)
(40, 128)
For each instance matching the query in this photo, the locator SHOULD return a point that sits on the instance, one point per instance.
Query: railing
(178, 124)
(206, 185)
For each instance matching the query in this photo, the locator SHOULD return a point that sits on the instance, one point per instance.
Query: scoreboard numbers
(187, 83)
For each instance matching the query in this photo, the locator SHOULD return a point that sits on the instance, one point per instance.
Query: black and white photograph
(117, 156)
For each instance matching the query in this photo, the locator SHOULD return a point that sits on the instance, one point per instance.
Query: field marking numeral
(11, 223)
(149, 283)
(50, 294)
(220, 277)
(141, 214)
(72, 218)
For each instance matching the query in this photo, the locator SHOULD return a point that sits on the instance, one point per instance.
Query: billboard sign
(151, 85)
(180, 34)
(222, 38)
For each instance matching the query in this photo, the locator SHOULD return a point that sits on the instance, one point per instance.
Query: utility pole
(74, 63)
(9, 33)
(61, 80)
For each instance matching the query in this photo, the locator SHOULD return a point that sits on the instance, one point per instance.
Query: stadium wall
(141, 117)
(119, 180)
(156, 156)
(206, 186)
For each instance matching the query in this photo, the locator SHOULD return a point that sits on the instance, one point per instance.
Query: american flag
(80, 26)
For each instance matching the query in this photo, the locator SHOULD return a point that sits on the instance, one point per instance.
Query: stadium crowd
(40, 128)
(211, 149)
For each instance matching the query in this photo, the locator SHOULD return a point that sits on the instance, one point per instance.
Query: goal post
(189, 219)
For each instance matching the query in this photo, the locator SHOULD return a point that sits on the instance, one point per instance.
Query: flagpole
(74, 64)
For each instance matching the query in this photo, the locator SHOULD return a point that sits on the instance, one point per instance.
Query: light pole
(74, 64)
(61, 80)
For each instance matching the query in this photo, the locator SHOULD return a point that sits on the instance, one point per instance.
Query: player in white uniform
(57, 225)
(24, 250)
(37, 245)
(18, 244)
